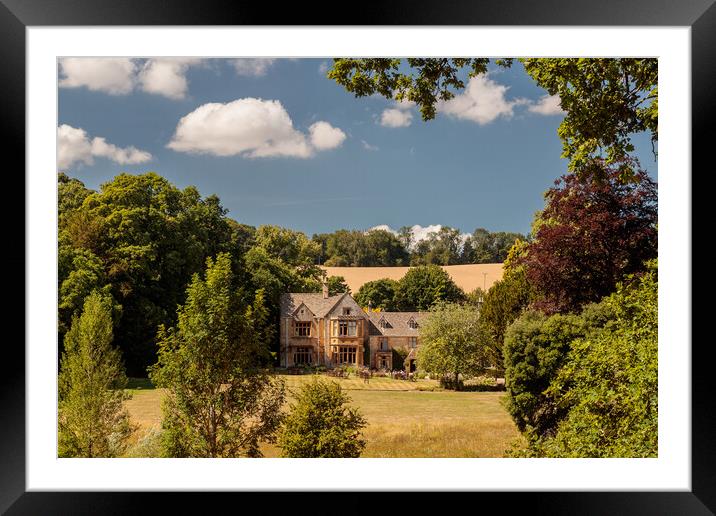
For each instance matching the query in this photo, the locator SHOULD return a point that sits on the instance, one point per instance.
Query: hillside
(467, 277)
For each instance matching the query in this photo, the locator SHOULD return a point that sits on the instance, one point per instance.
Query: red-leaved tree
(593, 231)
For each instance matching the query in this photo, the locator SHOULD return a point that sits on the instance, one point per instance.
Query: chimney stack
(325, 289)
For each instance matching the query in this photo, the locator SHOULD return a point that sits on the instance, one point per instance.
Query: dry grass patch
(403, 421)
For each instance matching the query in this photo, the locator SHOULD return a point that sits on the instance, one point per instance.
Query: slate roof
(315, 302)
(397, 323)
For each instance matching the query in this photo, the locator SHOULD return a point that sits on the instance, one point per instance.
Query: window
(302, 329)
(302, 356)
(346, 328)
(383, 323)
(384, 344)
(413, 342)
(346, 311)
(413, 323)
(346, 355)
(383, 363)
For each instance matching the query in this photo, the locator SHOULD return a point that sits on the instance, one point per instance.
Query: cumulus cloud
(115, 76)
(367, 146)
(250, 127)
(418, 232)
(546, 105)
(396, 118)
(483, 101)
(252, 67)
(324, 136)
(74, 145)
(120, 76)
(166, 76)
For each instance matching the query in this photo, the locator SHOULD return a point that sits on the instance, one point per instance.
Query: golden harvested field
(467, 277)
(405, 419)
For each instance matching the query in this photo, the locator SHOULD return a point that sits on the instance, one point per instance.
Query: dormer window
(412, 323)
(383, 323)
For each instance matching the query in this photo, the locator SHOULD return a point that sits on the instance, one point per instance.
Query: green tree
(337, 285)
(606, 100)
(424, 286)
(322, 424)
(502, 304)
(535, 348)
(442, 247)
(609, 382)
(221, 402)
(378, 294)
(92, 421)
(486, 247)
(454, 343)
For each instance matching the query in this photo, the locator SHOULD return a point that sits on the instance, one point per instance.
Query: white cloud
(252, 67)
(547, 105)
(75, 146)
(419, 232)
(115, 76)
(166, 76)
(324, 136)
(396, 118)
(250, 127)
(323, 68)
(483, 101)
(383, 227)
(367, 146)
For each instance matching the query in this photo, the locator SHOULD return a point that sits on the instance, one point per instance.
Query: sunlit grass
(406, 419)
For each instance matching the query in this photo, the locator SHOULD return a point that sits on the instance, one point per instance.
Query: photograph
(357, 257)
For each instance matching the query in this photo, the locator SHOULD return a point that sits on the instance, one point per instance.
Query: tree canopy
(92, 421)
(220, 401)
(605, 100)
(378, 294)
(424, 286)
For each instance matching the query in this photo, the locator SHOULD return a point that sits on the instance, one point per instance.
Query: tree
(592, 234)
(606, 100)
(92, 421)
(609, 382)
(453, 343)
(442, 247)
(337, 285)
(424, 286)
(502, 304)
(373, 248)
(486, 247)
(535, 348)
(144, 238)
(321, 424)
(221, 402)
(378, 294)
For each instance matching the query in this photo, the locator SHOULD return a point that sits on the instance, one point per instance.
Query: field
(467, 277)
(406, 419)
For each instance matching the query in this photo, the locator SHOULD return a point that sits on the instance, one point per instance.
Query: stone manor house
(319, 329)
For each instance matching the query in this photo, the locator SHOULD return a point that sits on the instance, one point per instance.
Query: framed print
(240, 215)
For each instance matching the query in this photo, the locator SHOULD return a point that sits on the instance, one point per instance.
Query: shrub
(321, 424)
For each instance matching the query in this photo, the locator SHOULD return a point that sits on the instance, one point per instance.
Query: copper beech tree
(593, 231)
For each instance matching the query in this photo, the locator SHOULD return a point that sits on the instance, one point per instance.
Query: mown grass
(405, 419)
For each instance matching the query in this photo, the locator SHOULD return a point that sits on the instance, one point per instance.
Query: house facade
(319, 329)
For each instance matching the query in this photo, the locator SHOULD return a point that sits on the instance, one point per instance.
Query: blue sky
(280, 143)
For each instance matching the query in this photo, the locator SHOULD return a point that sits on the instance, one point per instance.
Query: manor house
(328, 330)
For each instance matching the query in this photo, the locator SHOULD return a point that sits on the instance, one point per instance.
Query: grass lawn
(405, 419)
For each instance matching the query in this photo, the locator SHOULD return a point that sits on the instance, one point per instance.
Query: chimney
(325, 289)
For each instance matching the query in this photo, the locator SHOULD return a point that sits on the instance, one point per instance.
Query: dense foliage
(375, 248)
(322, 424)
(424, 286)
(501, 305)
(591, 234)
(378, 294)
(536, 347)
(220, 400)
(608, 385)
(92, 421)
(453, 343)
(606, 100)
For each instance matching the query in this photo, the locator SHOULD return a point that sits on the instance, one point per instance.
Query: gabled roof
(315, 302)
(396, 323)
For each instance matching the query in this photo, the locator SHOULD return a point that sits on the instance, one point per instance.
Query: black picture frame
(16, 15)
